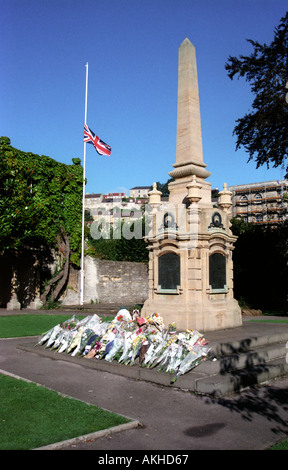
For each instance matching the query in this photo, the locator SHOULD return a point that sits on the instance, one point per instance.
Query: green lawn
(283, 445)
(265, 320)
(32, 416)
(12, 326)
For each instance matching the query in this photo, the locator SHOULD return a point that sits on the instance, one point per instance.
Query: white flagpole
(83, 199)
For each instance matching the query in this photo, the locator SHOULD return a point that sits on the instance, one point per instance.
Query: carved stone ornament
(216, 221)
(169, 221)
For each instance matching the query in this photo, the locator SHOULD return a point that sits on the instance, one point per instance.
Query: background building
(113, 206)
(139, 191)
(265, 202)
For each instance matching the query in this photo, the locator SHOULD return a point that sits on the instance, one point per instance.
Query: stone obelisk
(189, 150)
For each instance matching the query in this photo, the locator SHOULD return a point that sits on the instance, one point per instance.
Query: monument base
(209, 315)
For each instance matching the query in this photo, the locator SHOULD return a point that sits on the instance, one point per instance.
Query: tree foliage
(40, 205)
(261, 265)
(38, 196)
(163, 187)
(263, 132)
(123, 248)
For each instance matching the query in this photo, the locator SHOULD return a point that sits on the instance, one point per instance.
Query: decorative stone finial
(155, 195)
(194, 190)
(225, 198)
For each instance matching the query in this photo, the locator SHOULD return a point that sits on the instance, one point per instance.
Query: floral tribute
(130, 339)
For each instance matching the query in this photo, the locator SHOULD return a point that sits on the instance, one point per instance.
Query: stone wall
(22, 277)
(107, 281)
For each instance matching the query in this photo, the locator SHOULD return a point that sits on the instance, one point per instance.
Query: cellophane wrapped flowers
(129, 339)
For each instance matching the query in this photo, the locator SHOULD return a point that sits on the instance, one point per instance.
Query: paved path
(171, 419)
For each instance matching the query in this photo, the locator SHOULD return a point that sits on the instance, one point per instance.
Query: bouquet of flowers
(86, 334)
(126, 338)
(156, 320)
(178, 352)
(127, 344)
(116, 347)
(70, 324)
(168, 353)
(54, 332)
(172, 328)
(94, 350)
(156, 345)
(66, 338)
(191, 360)
(57, 342)
(90, 343)
(76, 339)
(163, 353)
(106, 342)
(137, 342)
(53, 336)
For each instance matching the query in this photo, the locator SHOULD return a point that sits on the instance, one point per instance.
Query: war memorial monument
(190, 242)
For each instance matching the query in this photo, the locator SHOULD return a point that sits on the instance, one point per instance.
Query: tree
(123, 248)
(40, 205)
(263, 132)
(163, 187)
(261, 265)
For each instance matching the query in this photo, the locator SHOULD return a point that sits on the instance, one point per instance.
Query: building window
(259, 218)
(243, 200)
(258, 198)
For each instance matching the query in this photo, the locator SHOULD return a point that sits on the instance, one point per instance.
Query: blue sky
(132, 50)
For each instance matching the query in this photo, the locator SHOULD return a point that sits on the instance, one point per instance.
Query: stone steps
(99, 309)
(238, 379)
(246, 360)
(242, 364)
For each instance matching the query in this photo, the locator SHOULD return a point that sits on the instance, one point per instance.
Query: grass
(264, 320)
(13, 326)
(32, 416)
(283, 445)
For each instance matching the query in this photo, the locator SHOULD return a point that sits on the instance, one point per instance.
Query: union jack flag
(100, 146)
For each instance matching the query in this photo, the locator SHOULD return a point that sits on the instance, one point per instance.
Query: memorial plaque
(217, 271)
(169, 271)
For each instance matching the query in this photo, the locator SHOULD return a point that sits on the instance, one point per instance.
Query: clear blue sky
(132, 50)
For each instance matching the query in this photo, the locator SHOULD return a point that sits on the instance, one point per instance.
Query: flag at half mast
(100, 146)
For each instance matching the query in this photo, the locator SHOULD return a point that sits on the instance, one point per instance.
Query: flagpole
(83, 199)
